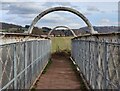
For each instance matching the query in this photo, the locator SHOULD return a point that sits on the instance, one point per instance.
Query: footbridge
(96, 56)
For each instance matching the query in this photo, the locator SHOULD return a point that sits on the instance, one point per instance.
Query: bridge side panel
(22, 62)
(98, 58)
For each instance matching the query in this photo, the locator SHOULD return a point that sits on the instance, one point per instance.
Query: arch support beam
(62, 27)
(37, 18)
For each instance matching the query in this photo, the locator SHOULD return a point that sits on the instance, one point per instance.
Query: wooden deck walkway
(60, 74)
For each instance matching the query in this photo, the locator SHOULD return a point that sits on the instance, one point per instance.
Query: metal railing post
(32, 59)
(105, 66)
(15, 67)
(95, 63)
(89, 62)
(0, 73)
(25, 50)
(37, 55)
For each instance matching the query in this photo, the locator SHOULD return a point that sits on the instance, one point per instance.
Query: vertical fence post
(84, 58)
(15, 67)
(37, 60)
(89, 63)
(105, 66)
(32, 58)
(42, 53)
(36, 63)
(25, 50)
(0, 70)
(95, 64)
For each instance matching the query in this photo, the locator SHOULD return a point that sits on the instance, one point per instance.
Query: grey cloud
(29, 7)
(27, 11)
(51, 4)
(21, 8)
(4, 6)
(47, 21)
(93, 8)
(87, 13)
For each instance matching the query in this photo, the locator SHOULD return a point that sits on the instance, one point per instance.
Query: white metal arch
(62, 27)
(37, 18)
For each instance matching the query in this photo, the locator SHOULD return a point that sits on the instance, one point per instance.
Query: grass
(61, 43)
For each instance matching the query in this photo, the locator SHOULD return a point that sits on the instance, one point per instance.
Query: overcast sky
(22, 13)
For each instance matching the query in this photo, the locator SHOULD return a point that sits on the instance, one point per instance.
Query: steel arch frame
(38, 17)
(62, 27)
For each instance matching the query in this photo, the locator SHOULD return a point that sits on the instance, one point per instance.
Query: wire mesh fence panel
(99, 62)
(22, 62)
(7, 64)
(113, 62)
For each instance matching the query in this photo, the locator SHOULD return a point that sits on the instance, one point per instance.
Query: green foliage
(61, 43)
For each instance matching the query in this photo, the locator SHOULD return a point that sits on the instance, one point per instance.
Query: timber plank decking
(59, 75)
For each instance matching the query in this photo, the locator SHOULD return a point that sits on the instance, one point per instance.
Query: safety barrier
(22, 62)
(98, 58)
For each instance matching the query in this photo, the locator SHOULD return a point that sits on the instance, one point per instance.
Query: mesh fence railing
(22, 62)
(99, 62)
